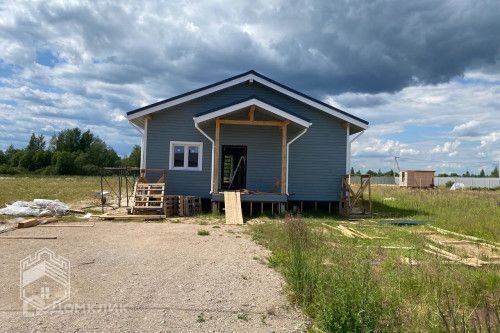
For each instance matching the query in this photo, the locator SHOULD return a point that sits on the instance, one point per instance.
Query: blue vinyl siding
(316, 162)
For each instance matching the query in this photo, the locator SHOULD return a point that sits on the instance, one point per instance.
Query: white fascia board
(242, 79)
(191, 96)
(248, 103)
(311, 102)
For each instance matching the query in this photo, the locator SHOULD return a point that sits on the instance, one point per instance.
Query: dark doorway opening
(234, 167)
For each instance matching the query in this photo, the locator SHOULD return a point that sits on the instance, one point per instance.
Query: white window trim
(186, 145)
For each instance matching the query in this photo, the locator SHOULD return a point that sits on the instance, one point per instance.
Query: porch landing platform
(254, 197)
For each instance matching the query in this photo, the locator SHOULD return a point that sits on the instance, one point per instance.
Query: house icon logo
(44, 280)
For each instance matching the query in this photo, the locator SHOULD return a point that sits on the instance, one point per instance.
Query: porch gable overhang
(246, 103)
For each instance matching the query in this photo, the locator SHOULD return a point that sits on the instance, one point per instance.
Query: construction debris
(473, 262)
(351, 233)
(476, 239)
(28, 223)
(37, 207)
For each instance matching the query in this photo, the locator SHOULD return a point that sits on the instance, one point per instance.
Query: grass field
(361, 285)
(390, 283)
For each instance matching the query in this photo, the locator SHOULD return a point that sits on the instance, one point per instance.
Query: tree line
(69, 152)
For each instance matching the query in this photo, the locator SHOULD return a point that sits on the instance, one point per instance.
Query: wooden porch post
(283, 158)
(216, 156)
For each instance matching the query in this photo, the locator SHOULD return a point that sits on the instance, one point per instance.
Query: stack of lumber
(189, 205)
(149, 197)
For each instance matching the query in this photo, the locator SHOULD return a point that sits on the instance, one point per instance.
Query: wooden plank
(252, 122)
(232, 202)
(66, 225)
(283, 158)
(130, 217)
(28, 237)
(28, 223)
(474, 262)
(215, 185)
(448, 232)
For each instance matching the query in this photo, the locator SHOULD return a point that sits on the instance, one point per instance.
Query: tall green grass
(345, 286)
(470, 212)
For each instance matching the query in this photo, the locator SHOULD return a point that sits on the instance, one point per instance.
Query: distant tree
(16, 157)
(494, 173)
(482, 174)
(64, 163)
(466, 174)
(26, 160)
(3, 158)
(42, 159)
(36, 143)
(134, 159)
(67, 140)
(9, 153)
(352, 171)
(443, 175)
(86, 140)
(454, 174)
(371, 173)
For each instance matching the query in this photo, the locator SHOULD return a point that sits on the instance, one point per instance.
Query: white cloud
(449, 148)
(470, 128)
(489, 139)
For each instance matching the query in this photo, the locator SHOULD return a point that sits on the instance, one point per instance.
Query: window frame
(186, 145)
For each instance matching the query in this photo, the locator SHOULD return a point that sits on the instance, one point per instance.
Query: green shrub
(203, 232)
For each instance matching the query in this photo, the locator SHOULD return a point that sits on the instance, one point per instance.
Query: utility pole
(397, 163)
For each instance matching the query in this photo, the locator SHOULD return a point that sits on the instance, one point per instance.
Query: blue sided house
(248, 133)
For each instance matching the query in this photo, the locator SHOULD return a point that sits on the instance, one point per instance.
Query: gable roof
(244, 77)
(252, 100)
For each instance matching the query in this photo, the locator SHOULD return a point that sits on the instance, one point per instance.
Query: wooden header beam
(253, 122)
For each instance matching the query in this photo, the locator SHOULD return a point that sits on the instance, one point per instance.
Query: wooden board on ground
(232, 204)
(28, 237)
(131, 217)
(67, 225)
(28, 223)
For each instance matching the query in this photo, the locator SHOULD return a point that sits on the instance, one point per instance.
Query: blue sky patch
(46, 57)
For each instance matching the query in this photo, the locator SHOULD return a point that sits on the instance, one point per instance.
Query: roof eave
(251, 75)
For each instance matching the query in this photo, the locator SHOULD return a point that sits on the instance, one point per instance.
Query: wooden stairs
(149, 198)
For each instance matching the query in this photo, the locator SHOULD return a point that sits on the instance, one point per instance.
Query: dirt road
(151, 277)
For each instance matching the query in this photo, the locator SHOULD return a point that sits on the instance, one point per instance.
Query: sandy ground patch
(164, 276)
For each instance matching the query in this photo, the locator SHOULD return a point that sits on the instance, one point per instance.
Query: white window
(185, 155)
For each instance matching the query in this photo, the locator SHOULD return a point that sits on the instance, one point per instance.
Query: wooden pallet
(148, 197)
(189, 205)
(171, 205)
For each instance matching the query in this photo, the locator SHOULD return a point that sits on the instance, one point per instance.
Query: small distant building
(416, 178)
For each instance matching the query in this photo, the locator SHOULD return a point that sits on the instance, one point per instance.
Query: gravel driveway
(156, 277)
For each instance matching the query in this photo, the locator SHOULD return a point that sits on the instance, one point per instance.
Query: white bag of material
(38, 207)
(457, 186)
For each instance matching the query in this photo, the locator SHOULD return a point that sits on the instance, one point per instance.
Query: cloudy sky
(425, 74)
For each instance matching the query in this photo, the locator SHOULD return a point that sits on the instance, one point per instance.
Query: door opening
(234, 167)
